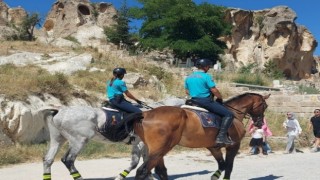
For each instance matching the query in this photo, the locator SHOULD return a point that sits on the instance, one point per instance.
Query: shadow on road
(189, 174)
(171, 177)
(270, 177)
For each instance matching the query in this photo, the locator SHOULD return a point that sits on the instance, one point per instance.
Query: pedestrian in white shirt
(293, 130)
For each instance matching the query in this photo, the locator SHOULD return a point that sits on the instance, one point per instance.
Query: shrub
(248, 69)
(271, 70)
(259, 20)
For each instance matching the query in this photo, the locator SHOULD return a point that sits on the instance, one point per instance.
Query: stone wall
(302, 105)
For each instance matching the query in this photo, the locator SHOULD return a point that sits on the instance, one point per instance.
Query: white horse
(77, 125)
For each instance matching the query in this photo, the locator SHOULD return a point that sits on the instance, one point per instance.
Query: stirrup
(226, 140)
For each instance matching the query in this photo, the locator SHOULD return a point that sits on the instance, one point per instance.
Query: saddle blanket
(112, 116)
(207, 119)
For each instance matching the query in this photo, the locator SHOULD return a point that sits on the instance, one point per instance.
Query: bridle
(248, 112)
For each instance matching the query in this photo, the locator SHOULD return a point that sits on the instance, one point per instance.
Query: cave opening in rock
(84, 10)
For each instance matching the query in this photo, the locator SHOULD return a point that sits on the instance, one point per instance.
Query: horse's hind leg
(155, 156)
(75, 146)
(230, 155)
(56, 140)
(217, 154)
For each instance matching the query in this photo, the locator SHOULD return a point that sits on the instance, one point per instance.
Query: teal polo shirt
(199, 84)
(118, 88)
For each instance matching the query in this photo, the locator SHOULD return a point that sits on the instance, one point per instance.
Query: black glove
(139, 102)
(220, 101)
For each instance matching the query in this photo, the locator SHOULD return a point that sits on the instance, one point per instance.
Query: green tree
(26, 29)
(120, 31)
(182, 26)
(272, 70)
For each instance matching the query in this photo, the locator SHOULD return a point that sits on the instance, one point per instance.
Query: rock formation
(270, 35)
(10, 17)
(78, 18)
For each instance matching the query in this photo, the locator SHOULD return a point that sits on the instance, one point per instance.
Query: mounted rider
(115, 89)
(200, 85)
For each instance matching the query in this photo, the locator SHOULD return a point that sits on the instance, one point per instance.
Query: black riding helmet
(201, 63)
(118, 72)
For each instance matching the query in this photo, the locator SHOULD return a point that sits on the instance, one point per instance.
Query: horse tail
(129, 121)
(48, 113)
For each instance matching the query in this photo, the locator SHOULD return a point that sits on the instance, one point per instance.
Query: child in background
(267, 132)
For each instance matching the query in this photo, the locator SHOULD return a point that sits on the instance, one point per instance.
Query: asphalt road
(188, 165)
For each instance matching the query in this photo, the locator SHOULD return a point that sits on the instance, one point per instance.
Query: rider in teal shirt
(200, 85)
(116, 87)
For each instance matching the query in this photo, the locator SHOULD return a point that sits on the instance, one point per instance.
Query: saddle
(207, 118)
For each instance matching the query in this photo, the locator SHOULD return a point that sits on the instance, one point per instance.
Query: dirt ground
(189, 165)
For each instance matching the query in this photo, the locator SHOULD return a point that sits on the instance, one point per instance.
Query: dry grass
(19, 82)
(8, 47)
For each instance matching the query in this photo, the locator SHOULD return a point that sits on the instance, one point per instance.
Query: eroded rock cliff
(270, 35)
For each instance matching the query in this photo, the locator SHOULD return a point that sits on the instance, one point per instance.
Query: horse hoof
(214, 178)
(119, 178)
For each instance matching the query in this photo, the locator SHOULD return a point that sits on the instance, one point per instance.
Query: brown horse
(164, 127)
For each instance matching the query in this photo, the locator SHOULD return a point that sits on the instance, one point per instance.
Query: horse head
(248, 103)
(258, 107)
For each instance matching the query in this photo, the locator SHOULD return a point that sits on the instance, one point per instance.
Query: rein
(245, 113)
(146, 105)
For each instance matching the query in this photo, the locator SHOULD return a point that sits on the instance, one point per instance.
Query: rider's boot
(222, 137)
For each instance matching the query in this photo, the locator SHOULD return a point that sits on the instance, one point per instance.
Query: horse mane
(241, 96)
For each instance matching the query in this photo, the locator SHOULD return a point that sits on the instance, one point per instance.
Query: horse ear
(266, 96)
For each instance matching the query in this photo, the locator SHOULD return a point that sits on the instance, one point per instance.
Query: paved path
(188, 165)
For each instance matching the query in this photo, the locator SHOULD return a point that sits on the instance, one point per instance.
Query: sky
(307, 11)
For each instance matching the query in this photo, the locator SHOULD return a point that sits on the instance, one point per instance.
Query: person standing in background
(315, 125)
(291, 124)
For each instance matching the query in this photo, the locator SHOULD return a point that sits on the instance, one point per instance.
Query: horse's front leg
(230, 155)
(217, 154)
